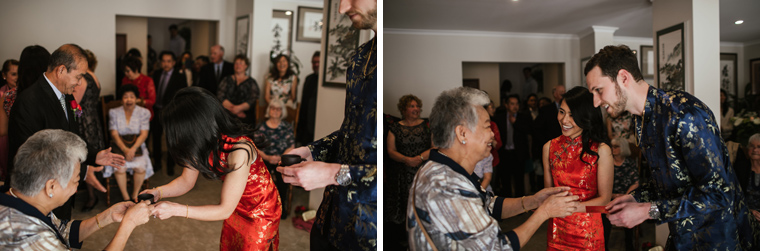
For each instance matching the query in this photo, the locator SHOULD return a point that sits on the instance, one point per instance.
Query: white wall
(92, 25)
(427, 62)
(488, 75)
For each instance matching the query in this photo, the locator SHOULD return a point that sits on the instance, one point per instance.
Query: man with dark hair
(176, 42)
(307, 116)
(345, 162)
(168, 81)
(213, 73)
(200, 61)
(151, 56)
(530, 86)
(693, 186)
(514, 128)
(48, 104)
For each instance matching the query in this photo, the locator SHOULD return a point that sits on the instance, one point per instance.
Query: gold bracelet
(522, 202)
(98, 221)
(187, 211)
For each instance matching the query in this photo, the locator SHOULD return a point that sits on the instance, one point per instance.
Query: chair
(107, 106)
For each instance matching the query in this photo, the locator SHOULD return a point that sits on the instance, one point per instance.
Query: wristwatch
(654, 213)
(343, 177)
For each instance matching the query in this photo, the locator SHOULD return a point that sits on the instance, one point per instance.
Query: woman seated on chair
(279, 134)
(129, 125)
(50, 175)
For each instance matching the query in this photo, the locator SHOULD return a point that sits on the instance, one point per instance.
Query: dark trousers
(282, 188)
(319, 242)
(511, 174)
(157, 129)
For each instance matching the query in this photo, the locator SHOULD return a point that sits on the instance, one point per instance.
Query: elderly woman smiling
(447, 208)
(46, 175)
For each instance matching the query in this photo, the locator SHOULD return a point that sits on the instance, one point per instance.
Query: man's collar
(58, 93)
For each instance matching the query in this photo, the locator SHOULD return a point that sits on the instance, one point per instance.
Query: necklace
(14, 195)
(444, 154)
(364, 75)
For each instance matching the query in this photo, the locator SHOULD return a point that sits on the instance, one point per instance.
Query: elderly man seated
(46, 175)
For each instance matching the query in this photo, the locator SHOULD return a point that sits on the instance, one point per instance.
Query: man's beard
(367, 21)
(619, 106)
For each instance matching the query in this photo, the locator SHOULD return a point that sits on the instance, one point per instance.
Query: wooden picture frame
(647, 65)
(729, 75)
(282, 30)
(754, 74)
(670, 58)
(310, 23)
(242, 31)
(341, 42)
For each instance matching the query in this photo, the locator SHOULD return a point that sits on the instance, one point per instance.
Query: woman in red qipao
(202, 136)
(581, 159)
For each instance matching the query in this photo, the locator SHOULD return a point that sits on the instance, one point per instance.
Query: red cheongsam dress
(255, 223)
(579, 231)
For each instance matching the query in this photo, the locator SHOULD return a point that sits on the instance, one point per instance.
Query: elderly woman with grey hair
(46, 175)
(447, 208)
(748, 171)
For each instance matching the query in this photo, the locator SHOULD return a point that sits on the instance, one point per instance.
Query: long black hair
(32, 63)
(587, 117)
(194, 122)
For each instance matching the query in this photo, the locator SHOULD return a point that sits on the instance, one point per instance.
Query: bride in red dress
(204, 138)
(581, 159)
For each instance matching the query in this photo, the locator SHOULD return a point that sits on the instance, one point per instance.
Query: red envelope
(596, 209)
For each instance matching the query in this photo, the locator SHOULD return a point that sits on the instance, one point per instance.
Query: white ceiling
(575, 17)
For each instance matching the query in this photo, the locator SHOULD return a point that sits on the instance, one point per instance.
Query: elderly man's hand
(92, 180)
(107, 158)
(303, 152)
(310, 174)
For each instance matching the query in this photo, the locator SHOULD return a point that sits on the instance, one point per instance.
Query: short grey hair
(754, 138)
(452, 108)
(625, 148)
(48, 154)
(276, 102)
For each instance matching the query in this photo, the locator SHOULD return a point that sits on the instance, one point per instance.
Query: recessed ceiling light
(514, 0)
(739, 22)
(288, 13)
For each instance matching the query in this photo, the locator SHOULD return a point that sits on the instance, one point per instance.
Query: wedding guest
(281, 82)
(10, 76)
(447, 208)
(626, 179)
(49, 177)
(581, 159)
(748, 171)
(239, 93)
(145, 84)
(281, 139)
(207, 140)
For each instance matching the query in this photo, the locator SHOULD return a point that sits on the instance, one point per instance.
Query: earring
(464, 142)
(50, 195)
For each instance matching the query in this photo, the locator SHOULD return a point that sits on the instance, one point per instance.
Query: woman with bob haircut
(204, 138)
(447, 208)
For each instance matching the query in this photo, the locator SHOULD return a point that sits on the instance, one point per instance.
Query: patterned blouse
(280, 138)
(626, 175)
(347, 217)
(247, 91)
(455, 212)
(692, 184)
(281, 88)
(622, 126)
(23, 227)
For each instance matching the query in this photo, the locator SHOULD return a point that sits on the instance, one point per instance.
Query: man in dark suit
(514, 128)
(546, 126)
(213, 73)
(168, 81)
(48, 104)
(307, 116)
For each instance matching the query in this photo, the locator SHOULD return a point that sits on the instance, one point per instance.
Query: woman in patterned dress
(281, 82)
(409, 146)
(581, 159)
(281, 138)
(204, 138)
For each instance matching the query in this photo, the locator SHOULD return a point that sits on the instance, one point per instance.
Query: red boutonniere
(77, 109)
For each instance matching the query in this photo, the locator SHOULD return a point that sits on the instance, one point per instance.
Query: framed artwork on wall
(282, 23)
(241, 35)
(584, 61)
(341, 42)
(647, 61)
(754, 74)
(729, 75)
(670, 58)
(309, 24)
